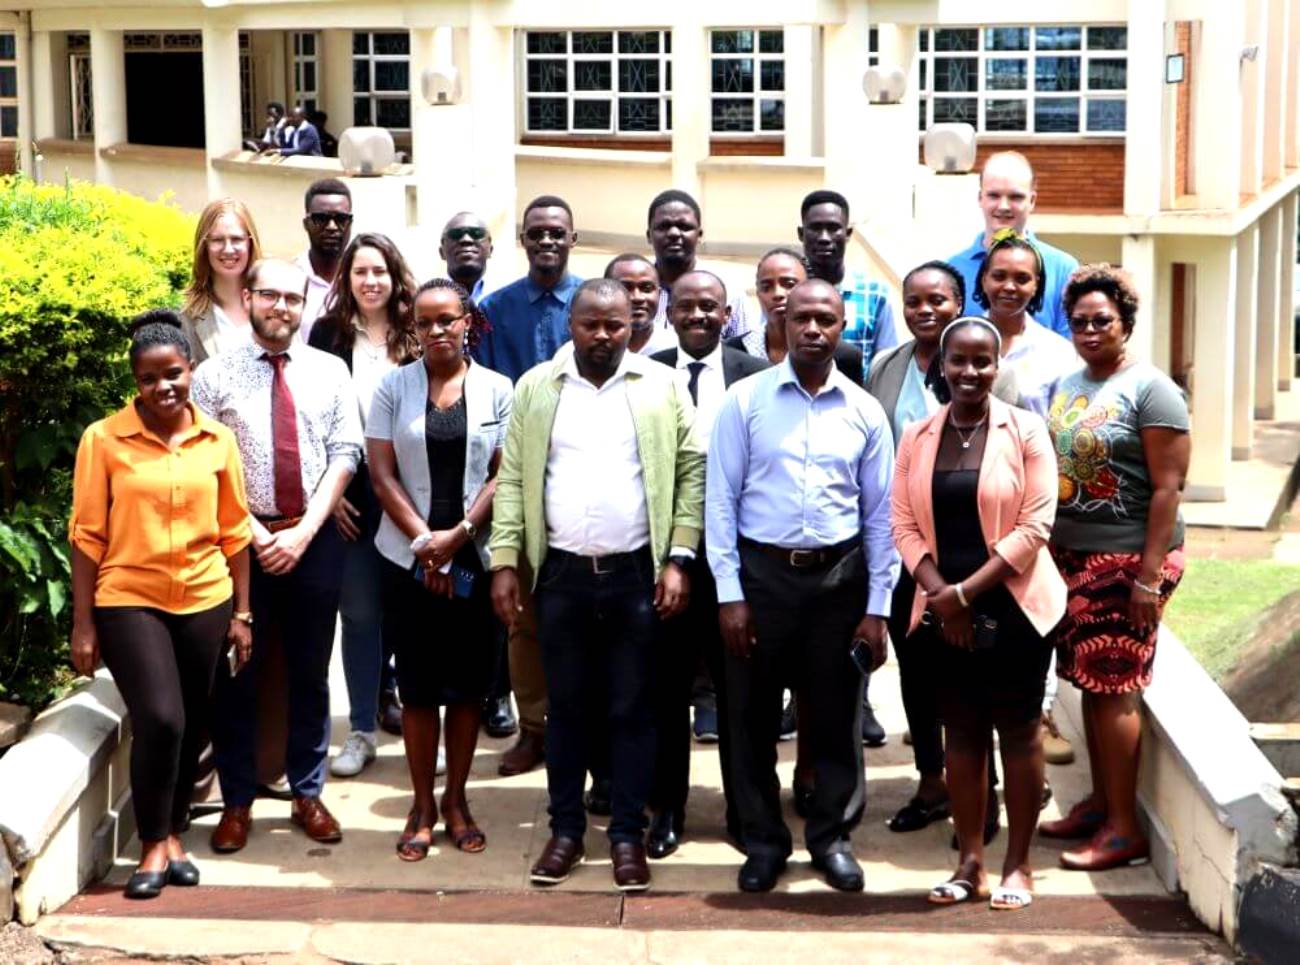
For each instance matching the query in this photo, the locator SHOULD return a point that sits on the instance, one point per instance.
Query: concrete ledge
(594, 155)
(1280, 743)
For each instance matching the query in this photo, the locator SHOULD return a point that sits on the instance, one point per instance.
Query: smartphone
(232, 657)
(862, 656)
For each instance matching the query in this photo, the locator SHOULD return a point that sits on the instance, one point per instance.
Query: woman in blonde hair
(225, 244)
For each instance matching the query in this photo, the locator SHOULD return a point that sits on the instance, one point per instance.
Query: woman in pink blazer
(974, 499)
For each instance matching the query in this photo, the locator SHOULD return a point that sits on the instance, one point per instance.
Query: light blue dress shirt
(1057, 265)
(795, 471)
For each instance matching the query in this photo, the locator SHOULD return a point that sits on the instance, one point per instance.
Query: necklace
(973, 430)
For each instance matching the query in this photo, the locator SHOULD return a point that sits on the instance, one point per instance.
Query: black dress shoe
(390, 713)
(873, 735)
(842, 871)
(597, 799)
(183, 873)
(145, 884)
(661, 839)
(760, 872)
(499, 717)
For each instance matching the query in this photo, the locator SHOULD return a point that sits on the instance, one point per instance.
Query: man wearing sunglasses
(296, 421)
(328, 223)
(466, 247)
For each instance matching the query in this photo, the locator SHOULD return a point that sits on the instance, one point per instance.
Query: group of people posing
(593, 492)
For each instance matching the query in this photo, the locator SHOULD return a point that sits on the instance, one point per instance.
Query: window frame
(10, 103)
(370, 58)
(308, 97)
(758, 95)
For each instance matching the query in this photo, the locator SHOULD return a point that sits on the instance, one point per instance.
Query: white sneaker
(358, 751)
(441, 768)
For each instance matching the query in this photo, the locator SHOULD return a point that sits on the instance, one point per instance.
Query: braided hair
(478, 322)
(158, 327)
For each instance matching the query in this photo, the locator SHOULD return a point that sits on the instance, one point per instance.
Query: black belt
(805, 559)
(601, 565)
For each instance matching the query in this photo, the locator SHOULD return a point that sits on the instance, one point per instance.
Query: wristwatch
(421, 541)
(245, 617)
(681, 559)
(470, 529)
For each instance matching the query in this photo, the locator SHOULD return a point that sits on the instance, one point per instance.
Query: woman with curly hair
(433, 441)
(213, 316)
(367, 323)
(1120, 428)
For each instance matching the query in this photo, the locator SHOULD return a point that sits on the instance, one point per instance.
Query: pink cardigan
(1017, 506)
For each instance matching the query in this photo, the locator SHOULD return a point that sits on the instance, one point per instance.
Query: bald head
(816, 289)
(466, 246)
(814, 322)
(1007, 193)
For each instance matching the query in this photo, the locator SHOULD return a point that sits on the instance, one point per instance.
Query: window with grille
(381, 79)
(8, 86)
(597, 82)
(81, 105)
(305, 70)
(747, 82)
(1041, 80)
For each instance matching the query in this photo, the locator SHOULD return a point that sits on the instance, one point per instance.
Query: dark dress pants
(302, 608)
(596, 632)
(804, 621)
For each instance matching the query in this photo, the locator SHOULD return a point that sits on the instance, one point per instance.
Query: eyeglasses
(540, 234)
(321, 219)
(271, 297)
(472, 232)
(424, 324)
(1099, 323)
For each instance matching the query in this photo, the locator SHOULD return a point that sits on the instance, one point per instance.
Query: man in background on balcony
(1008, 192)
(465, 247)
(529, 321)
(328, 223)
(300, 137)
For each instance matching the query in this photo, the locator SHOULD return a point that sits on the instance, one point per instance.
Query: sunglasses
(540, 234)
(472, 232)
(1098, 323)
(321, 219)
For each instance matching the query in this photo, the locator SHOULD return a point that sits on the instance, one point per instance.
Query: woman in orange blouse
(160, 535)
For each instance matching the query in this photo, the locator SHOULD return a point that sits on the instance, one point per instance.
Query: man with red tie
(293, 412)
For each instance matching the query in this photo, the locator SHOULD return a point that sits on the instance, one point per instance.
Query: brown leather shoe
(557, 861)
(528, 752)
(231, 832)
(631, 873)
(310, 814)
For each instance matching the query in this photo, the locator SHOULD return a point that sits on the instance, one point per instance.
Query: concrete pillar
(51, 90)
(23, 65)
(1246, 320)
(1145, 134)
(444, 177)
(1160, 314)
(1274, 52)
(692, 106)
(1286, 353)
(490, 87)
(1138, 256)
(107, 95)
(1290, 103)
(1268, 307)
(1216, 107)
(800, 85)
(1253, 74)
(334, 74)
(222, 124)
(1216, 299)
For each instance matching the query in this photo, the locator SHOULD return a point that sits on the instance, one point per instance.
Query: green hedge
(76, 262)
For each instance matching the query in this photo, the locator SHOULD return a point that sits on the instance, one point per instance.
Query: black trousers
(804, 621)
(163, 665)
(682, 643)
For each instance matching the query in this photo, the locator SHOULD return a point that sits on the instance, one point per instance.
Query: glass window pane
(8, 81)
(360, 42)
(546, 42)
(1056, 73)
(547, 76)
(1006, 74)
(297, 77)
(361, 111)
(393, 112)
(1108, 74)
(593, 42)
(361, 75)
(668, 109)
(592, 115)
(1005, 115)
(668, 43)
(8, 121)
(393, 44)
(392, 75)
(957, 74)
(638, 76)
(308, 76)
(638, 115)
(925, 75)
(956, 109)
(873, 40)
(923, 39)
(308, 44)
(771, 115)
(771, 41)
(733, 114)
(733, 76)
(1056, 115)
(1057, 38)
(772, 75)
(1107, 115)
(956, 39)
(309, 105)
(1107, 38)
(668, 82)
(732, 41)
(638, 41)
(592, 75)
(548, 114)
(922, 122)
(1006, 38)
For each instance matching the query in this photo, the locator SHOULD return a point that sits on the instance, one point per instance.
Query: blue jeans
(365, 658)
(596, 632)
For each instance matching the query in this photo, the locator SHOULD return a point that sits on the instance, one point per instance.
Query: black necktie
(693, 386)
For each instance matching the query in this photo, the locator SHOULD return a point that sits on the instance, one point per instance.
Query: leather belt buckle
(801, 559)
(595, 566)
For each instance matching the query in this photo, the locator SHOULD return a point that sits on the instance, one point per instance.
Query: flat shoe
(145, 884)
(1010, 899)
(182, 873)
(952, 892)
(1080, 822)
(915, 815)
(1105, 853)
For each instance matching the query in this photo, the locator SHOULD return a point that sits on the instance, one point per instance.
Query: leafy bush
(76, 262)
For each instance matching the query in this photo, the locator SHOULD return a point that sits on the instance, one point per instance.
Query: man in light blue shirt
(1007, 196)
(798, 536)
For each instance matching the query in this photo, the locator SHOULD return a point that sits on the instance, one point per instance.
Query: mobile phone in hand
(862, 656)
(232, 657)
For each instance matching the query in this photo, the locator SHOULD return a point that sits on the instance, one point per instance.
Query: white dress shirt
(709, 389)
(317, 289)
(228, 333)
(595, 490)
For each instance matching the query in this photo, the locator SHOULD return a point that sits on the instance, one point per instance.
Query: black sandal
(916, 814)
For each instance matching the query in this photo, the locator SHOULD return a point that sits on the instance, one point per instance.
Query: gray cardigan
(397, 415)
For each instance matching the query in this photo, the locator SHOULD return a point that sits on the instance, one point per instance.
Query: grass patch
(1217, 608)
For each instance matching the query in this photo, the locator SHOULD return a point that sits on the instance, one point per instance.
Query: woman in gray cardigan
(433, 443)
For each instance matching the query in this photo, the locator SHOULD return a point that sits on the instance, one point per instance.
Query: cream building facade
(1164, 133)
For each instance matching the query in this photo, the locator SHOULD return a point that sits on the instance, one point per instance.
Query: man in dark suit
(698, 311)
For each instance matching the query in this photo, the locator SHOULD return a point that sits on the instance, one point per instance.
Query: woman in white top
(225, 244)
(367, 322)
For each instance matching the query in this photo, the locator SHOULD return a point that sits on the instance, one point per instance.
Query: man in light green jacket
(601, 489)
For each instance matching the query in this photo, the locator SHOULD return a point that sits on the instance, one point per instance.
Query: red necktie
(284, 435)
